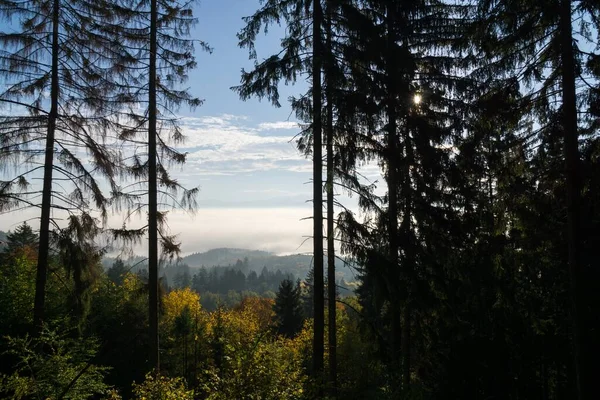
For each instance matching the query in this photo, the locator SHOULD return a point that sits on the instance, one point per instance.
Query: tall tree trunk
(571, 148)
(195, 376)
(330, 213)
(152, 197)
(319, 298)
(409, 260)
(392, 183)
(44, 246)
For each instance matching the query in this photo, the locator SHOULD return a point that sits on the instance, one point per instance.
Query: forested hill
(255, 260)
(224, 256)
(246, 260)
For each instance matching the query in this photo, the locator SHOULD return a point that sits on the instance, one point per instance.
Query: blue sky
(254, 185)
(252, 179)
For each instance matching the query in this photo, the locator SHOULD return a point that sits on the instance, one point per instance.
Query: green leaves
(162, 388)
(52, 366)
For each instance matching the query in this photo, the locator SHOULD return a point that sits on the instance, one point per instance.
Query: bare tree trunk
(409, 252)
(330, 215)
(571, 148)
(319, 298)
(152, 196)
(44, 244)
(392, 183)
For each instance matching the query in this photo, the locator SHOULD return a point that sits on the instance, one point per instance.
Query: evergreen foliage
(476, 254)
(288, 309)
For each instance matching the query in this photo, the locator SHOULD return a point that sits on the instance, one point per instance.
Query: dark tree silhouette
(56, 72)
(288, 309)
(155, 34)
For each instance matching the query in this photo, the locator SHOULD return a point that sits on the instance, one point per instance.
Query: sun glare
(417, 99)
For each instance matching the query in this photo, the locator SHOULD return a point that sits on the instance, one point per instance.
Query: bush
(162, 388)
(53, 366)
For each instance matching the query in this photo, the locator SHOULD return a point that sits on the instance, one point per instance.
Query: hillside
(223, 257)
(247, 261)
(296, 264)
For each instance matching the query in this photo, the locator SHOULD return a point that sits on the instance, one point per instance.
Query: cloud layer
(230, 144)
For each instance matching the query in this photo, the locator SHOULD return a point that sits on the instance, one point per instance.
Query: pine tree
(22, 236)
(317, 151)
(547, 60)
(288, 309)
(81, 257)
(301, 53)
(398, 62)
(56, 50)
(331, 289)
(154, 33)
(116, 271)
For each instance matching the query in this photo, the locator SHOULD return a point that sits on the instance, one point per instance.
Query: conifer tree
(155, 34)
(288, 309)
(547, 61)
(301, 53)
(401, 45)
(55, 73)
(331, 288)
(23, 235)
(317, 151)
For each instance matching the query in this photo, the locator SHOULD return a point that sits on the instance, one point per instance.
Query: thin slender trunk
(195, 351)
(319, 300)
(569, 110)
(152, 197)
(392, 183)
(409, 260)
(44, 244)
(330, 212)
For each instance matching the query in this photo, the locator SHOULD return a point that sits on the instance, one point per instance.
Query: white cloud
(223, 145)
(277, 230)
(269, 191)
(278, 125)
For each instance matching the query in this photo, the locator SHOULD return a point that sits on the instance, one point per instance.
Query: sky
(255, 187)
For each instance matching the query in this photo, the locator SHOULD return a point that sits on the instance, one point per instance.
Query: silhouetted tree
(22, 236)
(155, 33)
(116, 271)
(288, 309)
(56, 73)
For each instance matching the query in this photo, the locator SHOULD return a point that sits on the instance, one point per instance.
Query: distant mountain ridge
(250, 260)
(223, 256)
(256, 260)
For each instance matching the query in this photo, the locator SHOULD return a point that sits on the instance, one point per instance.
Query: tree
(51, 373)
(81, 258)
(548, 61)
(331, 289)
(307, 293)
(396, 48)
(288, 309)
(319, 296)
(117, 271)
(301, 52)
(163, 46)
(55, 71)
(21, 237)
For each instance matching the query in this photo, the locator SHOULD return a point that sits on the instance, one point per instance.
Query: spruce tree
(288, 309)
(22, 236)
(55, 73)
(156, 35)
(301, 53)
(331, 289)
(547, 61)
